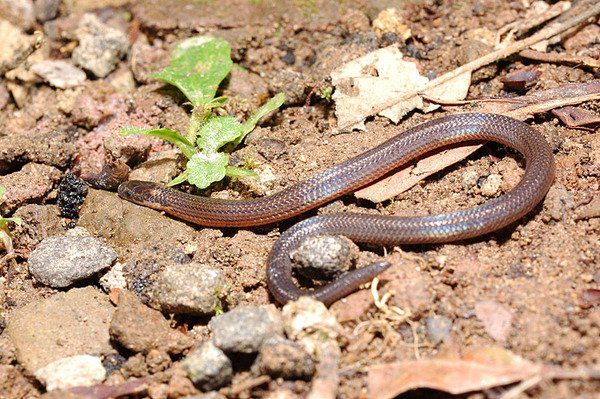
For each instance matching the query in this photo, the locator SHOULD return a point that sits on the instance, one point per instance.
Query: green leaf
(170, 135)
(239, 173)
(179, 179)
(206, 168)
(271, 105)
(3, 221)
(198, 65)
(218, 131)
(2, 192)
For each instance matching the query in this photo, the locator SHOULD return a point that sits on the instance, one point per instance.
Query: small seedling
(197, 68)
(4, 231)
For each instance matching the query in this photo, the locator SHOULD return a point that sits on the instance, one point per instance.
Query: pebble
(438, 328)
(18, 12)
(245, 328)
(325, 257)
(100, 46)
(469, 179)
(69, 372)
(62, 325)
(491, 185)
(190, 288)
(281, 358)
(208, 367)
(307, 321)
(141, 329)
(559, 202)
(60, 261)
(59, 73)
(45, 10)
(114, 278)
(32, 183)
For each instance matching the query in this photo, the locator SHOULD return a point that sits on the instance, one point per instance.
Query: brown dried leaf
(103, 391)
(575, 117)
(520, 108)
(480, 369)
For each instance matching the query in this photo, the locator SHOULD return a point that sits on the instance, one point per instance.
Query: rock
(161, 168)
(114, 278)
(59, 73)
(438, 328)
(39, 222)
(61, 260)
(469, 179)
(46, 10)
(496, 318)
(208, 367)
(244, 328)
(65, 324)
(7, 350)
(491, 185)
(589, 210)
(120, 223)
(32, 183)
(81, 370)
(559, 202)
(18, 12)
(190, 288)
(141, 329)
(325, 257)
(54, 148)
(71, 194)
(100, 46)
(13, 384)
(310, 323)
(282, 358)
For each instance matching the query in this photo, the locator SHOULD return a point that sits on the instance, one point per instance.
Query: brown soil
(538, 268)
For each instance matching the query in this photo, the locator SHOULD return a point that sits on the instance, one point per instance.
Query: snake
(358, 172)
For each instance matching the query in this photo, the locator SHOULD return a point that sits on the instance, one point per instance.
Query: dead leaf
(520, 108)
(380, 76)
(410, 175)
(576, 117)
(479, 369)
(496, 318)
(103, 391)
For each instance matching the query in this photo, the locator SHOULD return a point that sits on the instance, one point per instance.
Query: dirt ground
(536, 271)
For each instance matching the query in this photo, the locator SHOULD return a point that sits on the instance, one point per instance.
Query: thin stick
(546, 33)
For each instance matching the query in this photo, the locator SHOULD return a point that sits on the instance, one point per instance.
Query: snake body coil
(357, 172)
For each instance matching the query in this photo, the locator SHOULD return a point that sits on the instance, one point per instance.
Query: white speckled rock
(81, 370)
(59, 261)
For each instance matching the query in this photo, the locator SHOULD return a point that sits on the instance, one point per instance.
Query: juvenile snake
(355, 173)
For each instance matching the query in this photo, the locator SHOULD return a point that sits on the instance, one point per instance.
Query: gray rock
(190, 288)
(59, 73)
(438, 328)
(100, 46)
(208, 367)
(59, 261)
(245, 328)
(280, 357)
(325, 257)
(46, 10)
(65, 324)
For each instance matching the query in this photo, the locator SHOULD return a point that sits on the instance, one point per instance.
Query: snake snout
(135, 191)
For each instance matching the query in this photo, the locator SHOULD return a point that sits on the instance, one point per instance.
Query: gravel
(438, 328)
(325, 257)
(244, 328)
(59, 73)
(100, 46)
(60, 261)
(82, 370)
(282, 358)
(190, 288)
(208, 367)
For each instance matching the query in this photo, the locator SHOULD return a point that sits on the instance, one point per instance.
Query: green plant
(197, 67)
(4, 231)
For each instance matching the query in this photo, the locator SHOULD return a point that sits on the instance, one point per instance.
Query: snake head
(139, 192)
